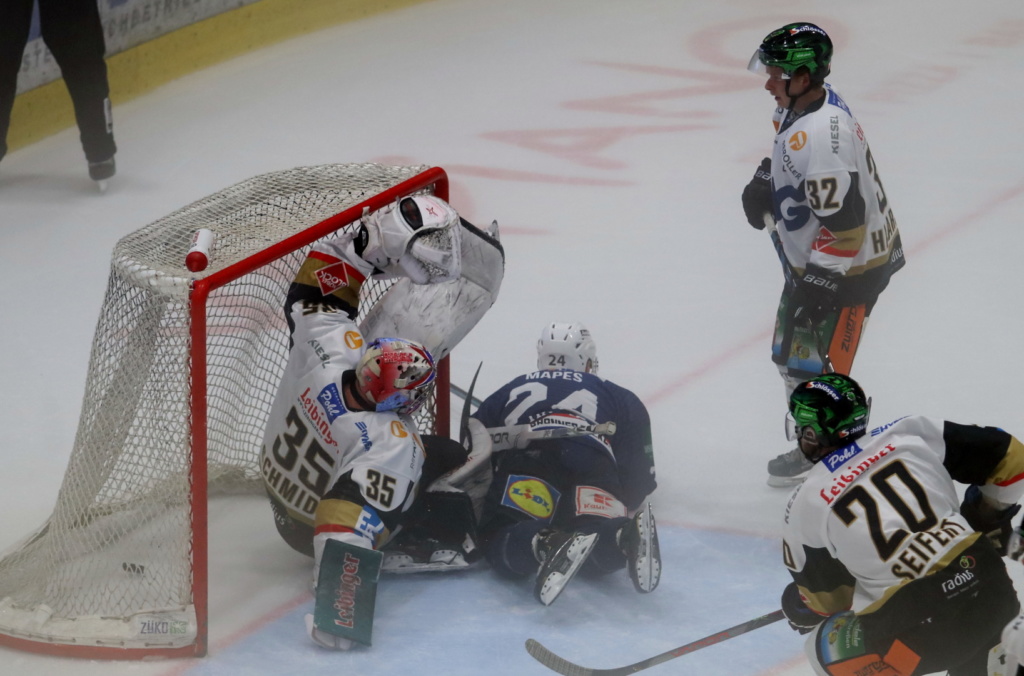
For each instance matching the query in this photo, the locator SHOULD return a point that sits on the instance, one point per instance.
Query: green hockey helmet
(792, 47)
(829, 410)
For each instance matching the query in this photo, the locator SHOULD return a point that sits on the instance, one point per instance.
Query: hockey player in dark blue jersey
(561, 505)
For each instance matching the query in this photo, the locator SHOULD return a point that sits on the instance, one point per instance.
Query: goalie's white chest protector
(312, 439)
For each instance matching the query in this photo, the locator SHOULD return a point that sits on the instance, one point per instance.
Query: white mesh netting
(112, 566)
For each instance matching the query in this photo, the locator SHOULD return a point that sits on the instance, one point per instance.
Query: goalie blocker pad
(346, 592)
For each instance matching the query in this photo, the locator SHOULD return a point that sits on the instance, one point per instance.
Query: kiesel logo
(398, 429)
(333, 277)
(353, 340)
(798, 140)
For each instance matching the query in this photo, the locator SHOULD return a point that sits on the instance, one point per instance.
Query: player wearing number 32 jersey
(884, 556)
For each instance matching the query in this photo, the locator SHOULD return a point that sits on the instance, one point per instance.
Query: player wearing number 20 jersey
(898, 572)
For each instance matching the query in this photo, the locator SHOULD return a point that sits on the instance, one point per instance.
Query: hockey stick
(567, 668)
(464, 395)
(468, 399)
(519, 436)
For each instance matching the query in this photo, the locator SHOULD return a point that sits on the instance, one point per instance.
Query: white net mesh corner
(112, 566)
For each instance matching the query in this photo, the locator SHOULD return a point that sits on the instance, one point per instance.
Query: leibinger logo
(842, 456)
(345, 595)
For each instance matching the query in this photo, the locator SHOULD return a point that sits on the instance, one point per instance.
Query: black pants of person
(72, 31)
(944, 622)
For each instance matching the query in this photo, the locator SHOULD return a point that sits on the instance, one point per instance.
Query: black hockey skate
(411, 553)
(561, 555)
(788, 469)
(101, 172)
(638, 540)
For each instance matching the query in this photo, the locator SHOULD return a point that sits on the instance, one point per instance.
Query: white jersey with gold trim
(830, 205)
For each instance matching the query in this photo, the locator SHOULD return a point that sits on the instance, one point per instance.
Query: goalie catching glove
(418, 237)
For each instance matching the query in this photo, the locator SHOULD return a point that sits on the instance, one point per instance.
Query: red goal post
(183, 370)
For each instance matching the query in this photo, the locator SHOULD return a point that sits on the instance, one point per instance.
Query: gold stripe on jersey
(828, 602)
(342, 515)
(347, 292)
(840, 243)
(946, 560)
(1011, 468)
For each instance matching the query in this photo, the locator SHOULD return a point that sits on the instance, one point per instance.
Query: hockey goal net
(183, 370)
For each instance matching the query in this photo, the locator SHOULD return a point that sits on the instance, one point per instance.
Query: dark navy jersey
(565, 398)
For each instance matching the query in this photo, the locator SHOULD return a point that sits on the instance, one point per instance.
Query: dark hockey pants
(72, 31)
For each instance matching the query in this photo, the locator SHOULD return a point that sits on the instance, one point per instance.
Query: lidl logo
(530, 495)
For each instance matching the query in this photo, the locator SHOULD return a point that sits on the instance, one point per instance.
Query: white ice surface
(611, 140)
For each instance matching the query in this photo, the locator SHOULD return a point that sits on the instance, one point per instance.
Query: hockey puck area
(133, 569)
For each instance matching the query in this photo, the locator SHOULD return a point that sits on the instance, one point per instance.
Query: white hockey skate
(562, 554)
(638, 540)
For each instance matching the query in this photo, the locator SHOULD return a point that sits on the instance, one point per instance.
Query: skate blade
(785, 481)
(551, 586)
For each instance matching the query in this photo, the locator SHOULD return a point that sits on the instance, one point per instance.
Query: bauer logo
(330, 399)
(530, 495)
(839, 458)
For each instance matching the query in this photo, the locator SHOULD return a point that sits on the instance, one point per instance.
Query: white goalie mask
(566, 346)
(420, 236)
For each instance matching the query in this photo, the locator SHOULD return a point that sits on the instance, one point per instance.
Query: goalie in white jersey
(829, 217)
(891, 571)
(341, 459)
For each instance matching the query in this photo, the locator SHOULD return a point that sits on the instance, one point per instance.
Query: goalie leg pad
(346, 593)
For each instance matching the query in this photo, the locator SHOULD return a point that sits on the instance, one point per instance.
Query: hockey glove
(757, 196)
(815, 295)
(801, 618)
(990, 520)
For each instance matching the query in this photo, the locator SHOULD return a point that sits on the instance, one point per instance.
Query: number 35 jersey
(883, 510)
(312, 439)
